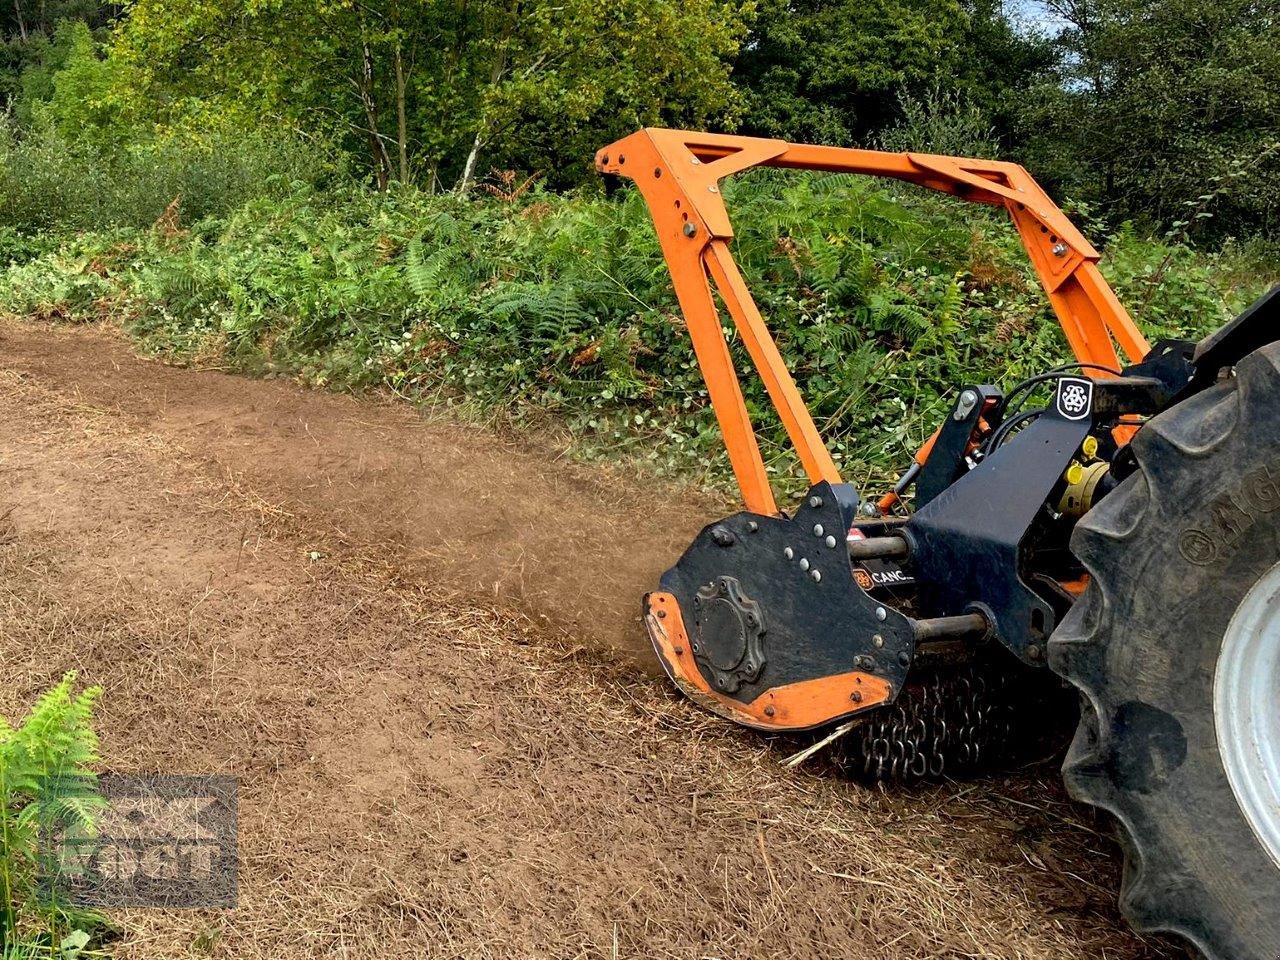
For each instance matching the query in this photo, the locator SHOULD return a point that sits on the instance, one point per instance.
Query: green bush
(50, 183)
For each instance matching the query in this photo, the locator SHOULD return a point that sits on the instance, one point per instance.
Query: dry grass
(422, 775)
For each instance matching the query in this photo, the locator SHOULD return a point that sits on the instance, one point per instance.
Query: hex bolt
(817, 575)
(968, 400)
(788, 553)
(817, 530)
(882, 614)
(804, 563)
(690, 229)
(869, 509)
(713, 188)
(830, 541)
(769, 711)
(856, 696)
(752, 526)
(878, 640)
(679, 651)
(662, 614)
(1059, 249)
(1033, 651)
(815, 502)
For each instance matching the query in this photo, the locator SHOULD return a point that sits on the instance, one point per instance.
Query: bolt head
(662, 614)
(856, 696)
(804, 563)
(869, 509)
(817, 530)
(769, 711)
(690, 229)
(904, 658)
(1060, 249)
(830, 541)
(817, 575)
(878, 640)
(752, 526)
(882, 614)
(968, 397)
(788, 553)
(1033, 651)
(815, 502)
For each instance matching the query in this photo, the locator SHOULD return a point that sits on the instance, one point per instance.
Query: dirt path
(343, 606)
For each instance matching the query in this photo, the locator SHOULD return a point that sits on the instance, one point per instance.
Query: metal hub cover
(729, 628)
(1246, 691)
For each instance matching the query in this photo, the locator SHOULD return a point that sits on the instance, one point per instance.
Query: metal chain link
(948, 722)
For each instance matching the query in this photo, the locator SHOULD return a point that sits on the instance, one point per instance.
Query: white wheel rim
(1246, 708)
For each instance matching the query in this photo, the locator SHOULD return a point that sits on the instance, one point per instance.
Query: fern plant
(46, 779)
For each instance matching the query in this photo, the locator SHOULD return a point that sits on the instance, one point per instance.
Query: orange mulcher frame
(678, 173)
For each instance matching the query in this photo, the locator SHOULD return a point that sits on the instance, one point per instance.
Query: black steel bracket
(946, 461)
(967, 543)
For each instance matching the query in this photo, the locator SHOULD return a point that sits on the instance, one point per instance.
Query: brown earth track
(299, 589)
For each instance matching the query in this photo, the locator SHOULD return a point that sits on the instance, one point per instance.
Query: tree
(836, 71)
(1160, 103)
(830, 71)
(435, 89)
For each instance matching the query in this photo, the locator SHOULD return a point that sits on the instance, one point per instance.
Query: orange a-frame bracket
(679, 173)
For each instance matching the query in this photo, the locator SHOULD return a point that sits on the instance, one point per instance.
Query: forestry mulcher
(1123, 534)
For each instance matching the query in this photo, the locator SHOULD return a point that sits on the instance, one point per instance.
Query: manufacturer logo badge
(1075, 398)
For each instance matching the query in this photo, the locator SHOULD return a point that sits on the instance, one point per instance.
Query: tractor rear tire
(1175, 648)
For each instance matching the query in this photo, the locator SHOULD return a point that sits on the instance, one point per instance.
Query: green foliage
(825, 72)
(882, 299)
(35, 40)
(48, 181)
(46, 778)
(427, 91)
(837, 72)
(93, 99)
(942, 121)
(1158, 98)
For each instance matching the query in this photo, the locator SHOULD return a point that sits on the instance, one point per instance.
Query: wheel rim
(1246, 707)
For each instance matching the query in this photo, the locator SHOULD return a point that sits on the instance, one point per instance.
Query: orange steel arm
(678, 173)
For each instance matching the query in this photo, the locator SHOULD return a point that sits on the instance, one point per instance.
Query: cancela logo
(1075, 397)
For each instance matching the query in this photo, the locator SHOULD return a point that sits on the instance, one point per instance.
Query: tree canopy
(1150, 110)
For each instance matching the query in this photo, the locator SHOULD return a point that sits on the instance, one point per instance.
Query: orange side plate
(795, 706)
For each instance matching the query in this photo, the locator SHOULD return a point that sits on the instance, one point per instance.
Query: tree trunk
(381, 162)
(22, 26)
(402, 126)
(468, 171)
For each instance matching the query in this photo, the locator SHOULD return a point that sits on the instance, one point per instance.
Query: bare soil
(417, 645)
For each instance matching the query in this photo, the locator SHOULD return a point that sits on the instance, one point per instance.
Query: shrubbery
(50, 183)
(883, 298)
